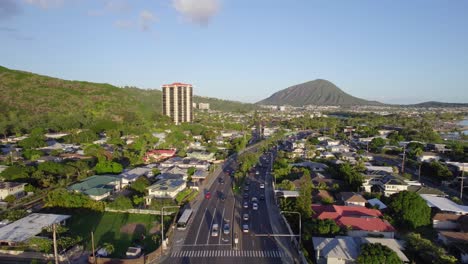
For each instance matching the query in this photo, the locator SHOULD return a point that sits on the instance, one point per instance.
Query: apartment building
(177, 102)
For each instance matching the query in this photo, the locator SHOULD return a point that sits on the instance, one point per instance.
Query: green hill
(317, 92)
(31, 99)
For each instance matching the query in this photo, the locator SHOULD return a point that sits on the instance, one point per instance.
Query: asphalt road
(255, 246)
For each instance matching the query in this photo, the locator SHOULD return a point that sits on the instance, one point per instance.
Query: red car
(207, 195)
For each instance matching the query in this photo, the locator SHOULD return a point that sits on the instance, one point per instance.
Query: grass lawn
(121, 230)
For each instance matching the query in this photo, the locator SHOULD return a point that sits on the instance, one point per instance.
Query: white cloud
(146, 19)
(123, 24)
(45, 3)
(197, 11)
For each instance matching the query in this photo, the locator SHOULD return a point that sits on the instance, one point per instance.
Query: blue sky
(395, 51)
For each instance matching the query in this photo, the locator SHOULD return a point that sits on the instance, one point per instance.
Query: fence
(139, 211)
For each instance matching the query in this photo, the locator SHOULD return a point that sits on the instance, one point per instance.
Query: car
(246, 188)
(215, 230)
(262, 197)
(255, 206)
(247, 182)
(221, 180)
(245, 228)
(262, 186)
(254, 199)
(257, 173)
(245, 217)
(246, 204)
(207, 195)
(246, 195)
(226, 229)
(221, 196)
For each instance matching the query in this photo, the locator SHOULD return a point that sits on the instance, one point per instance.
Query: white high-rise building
(177, 102)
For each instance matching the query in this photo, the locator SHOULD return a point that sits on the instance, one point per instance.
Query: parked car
(215, 230)
(226, 229)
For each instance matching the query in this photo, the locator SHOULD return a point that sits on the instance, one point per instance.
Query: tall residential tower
(177, 102)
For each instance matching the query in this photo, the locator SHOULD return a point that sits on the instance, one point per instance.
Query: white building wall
(362, 233)
(445, 225)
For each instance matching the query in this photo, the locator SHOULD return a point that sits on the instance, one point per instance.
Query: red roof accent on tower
(177, 84)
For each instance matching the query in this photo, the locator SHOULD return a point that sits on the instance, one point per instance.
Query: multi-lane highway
(197, 244)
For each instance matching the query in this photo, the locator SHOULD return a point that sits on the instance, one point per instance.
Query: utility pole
(461, 185)
(403, 161)
(92, 245)
(55, 243)
(420, 164)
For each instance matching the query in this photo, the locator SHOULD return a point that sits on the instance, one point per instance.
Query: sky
(393, 51)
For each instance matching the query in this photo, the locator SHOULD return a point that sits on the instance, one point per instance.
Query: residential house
(446, 221)
(338, 148)
(185, 163)
(331, 142)
(11, 188)
(351, 198)
(156, 155)
(98, 187)
(172, 173)
(327, 155)
(28, 227)
(374, 202)
(167, 188)
(444, 204)
(201, 155)
(360, 221)
(458, 241)
(312, 166)
(132, 175)
(346, 249)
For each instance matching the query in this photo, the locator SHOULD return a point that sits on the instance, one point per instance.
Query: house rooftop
(167, 185)
(352, 197)
(95, 185)
(6, 185)
(29, 226)
(444, 204)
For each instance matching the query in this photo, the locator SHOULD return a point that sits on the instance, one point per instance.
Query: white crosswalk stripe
(228, 253)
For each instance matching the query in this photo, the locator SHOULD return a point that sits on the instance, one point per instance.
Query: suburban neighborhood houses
(357, 188)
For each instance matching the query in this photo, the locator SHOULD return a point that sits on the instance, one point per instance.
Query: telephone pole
(54, 235)
(92, 245)
(403, 161)
(461, 185)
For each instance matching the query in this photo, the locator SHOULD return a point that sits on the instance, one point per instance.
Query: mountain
(434, 104)
(317, 92)
(33, 97)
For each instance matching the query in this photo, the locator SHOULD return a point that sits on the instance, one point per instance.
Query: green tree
(304, 201)
(351, 176)
(10, 199)
(376, 253)
(140, 185)
(376, 144)
(104, 167)
(436, 170)
(427, 251)
(121, 203)
(286, 185)
(410, 210)
(32, 154)
(191, 171)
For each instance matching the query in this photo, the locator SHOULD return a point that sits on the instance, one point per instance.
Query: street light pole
(162, 225)
(300, 223)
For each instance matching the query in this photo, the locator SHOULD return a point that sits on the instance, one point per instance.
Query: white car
(262, 186)
(215, 230)
(255, 206)
(246, 217)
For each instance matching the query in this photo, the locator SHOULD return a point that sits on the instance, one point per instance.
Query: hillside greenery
(30, 101)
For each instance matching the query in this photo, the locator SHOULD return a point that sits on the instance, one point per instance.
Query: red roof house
(156, 155)
(360, 221)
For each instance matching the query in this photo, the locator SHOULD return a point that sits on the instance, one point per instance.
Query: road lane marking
(211, 225)
(221, 226)
(201, 223)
